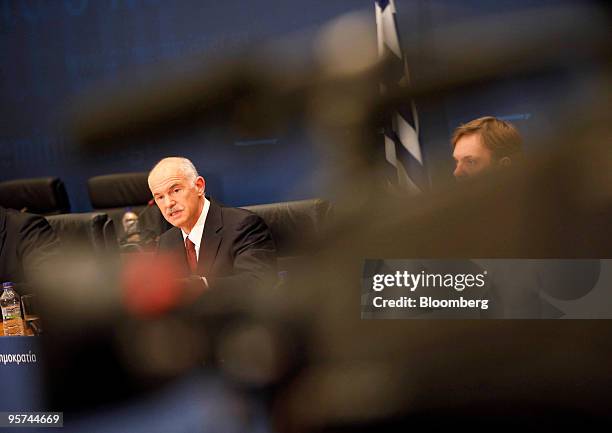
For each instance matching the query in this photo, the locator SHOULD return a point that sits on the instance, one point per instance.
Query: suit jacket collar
(211, 238)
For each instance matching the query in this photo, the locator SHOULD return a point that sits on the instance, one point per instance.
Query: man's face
(179, 198)
(471, 156)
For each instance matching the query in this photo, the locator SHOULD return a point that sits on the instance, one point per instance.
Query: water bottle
(11, 310)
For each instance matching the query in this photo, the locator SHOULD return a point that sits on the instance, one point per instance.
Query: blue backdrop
(51, 50)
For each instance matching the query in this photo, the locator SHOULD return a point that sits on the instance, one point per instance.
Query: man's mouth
(174, 214)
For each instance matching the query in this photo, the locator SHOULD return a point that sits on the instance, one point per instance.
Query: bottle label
(9, 313)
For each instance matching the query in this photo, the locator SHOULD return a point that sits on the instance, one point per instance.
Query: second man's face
(471, 156)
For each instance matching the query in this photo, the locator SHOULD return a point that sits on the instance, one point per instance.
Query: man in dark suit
(26, 241)
(222, 246)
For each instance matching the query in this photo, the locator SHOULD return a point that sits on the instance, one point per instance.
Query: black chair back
(115, 193)
(43, 195)
(90, 232)
(298, 227)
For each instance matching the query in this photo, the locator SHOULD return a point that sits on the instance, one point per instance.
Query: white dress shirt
(195, 235)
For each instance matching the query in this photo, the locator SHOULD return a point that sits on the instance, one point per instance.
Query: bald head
(178, 191)
(183, 165)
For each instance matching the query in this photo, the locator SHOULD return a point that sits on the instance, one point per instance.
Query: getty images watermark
(411, 282)
(486, 288)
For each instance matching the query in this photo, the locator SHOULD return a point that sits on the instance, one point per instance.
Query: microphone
(149, 205)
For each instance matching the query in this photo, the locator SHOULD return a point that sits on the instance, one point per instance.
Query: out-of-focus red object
(151, 283)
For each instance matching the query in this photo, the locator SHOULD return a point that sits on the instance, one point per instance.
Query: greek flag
(402, 148)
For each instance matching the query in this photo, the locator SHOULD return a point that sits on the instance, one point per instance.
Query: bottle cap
(8, 285)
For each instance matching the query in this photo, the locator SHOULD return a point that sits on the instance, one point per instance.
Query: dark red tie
(192, 259)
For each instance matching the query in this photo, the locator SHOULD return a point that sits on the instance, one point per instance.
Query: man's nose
(459, 172)
(169, 202)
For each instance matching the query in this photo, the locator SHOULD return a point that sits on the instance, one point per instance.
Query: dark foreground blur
(299, 353)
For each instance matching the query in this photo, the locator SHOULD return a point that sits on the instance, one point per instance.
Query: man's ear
(201, 185)
(505, 161)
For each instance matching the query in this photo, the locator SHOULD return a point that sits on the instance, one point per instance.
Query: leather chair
(90, 232)
(298, 228)
(115, 193)
(43, 195)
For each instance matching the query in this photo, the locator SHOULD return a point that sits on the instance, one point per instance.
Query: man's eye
(177, 189)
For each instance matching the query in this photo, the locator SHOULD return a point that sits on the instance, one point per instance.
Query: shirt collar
(196, 232)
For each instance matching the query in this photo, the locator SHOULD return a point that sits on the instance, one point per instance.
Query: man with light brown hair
(483, 144)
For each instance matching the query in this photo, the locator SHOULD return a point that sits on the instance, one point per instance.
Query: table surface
(27, 329)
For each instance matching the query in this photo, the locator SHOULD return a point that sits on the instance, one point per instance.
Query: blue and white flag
(402, 147)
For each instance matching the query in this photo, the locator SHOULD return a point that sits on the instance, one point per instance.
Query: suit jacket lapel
(211, 239)
(176, 246)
